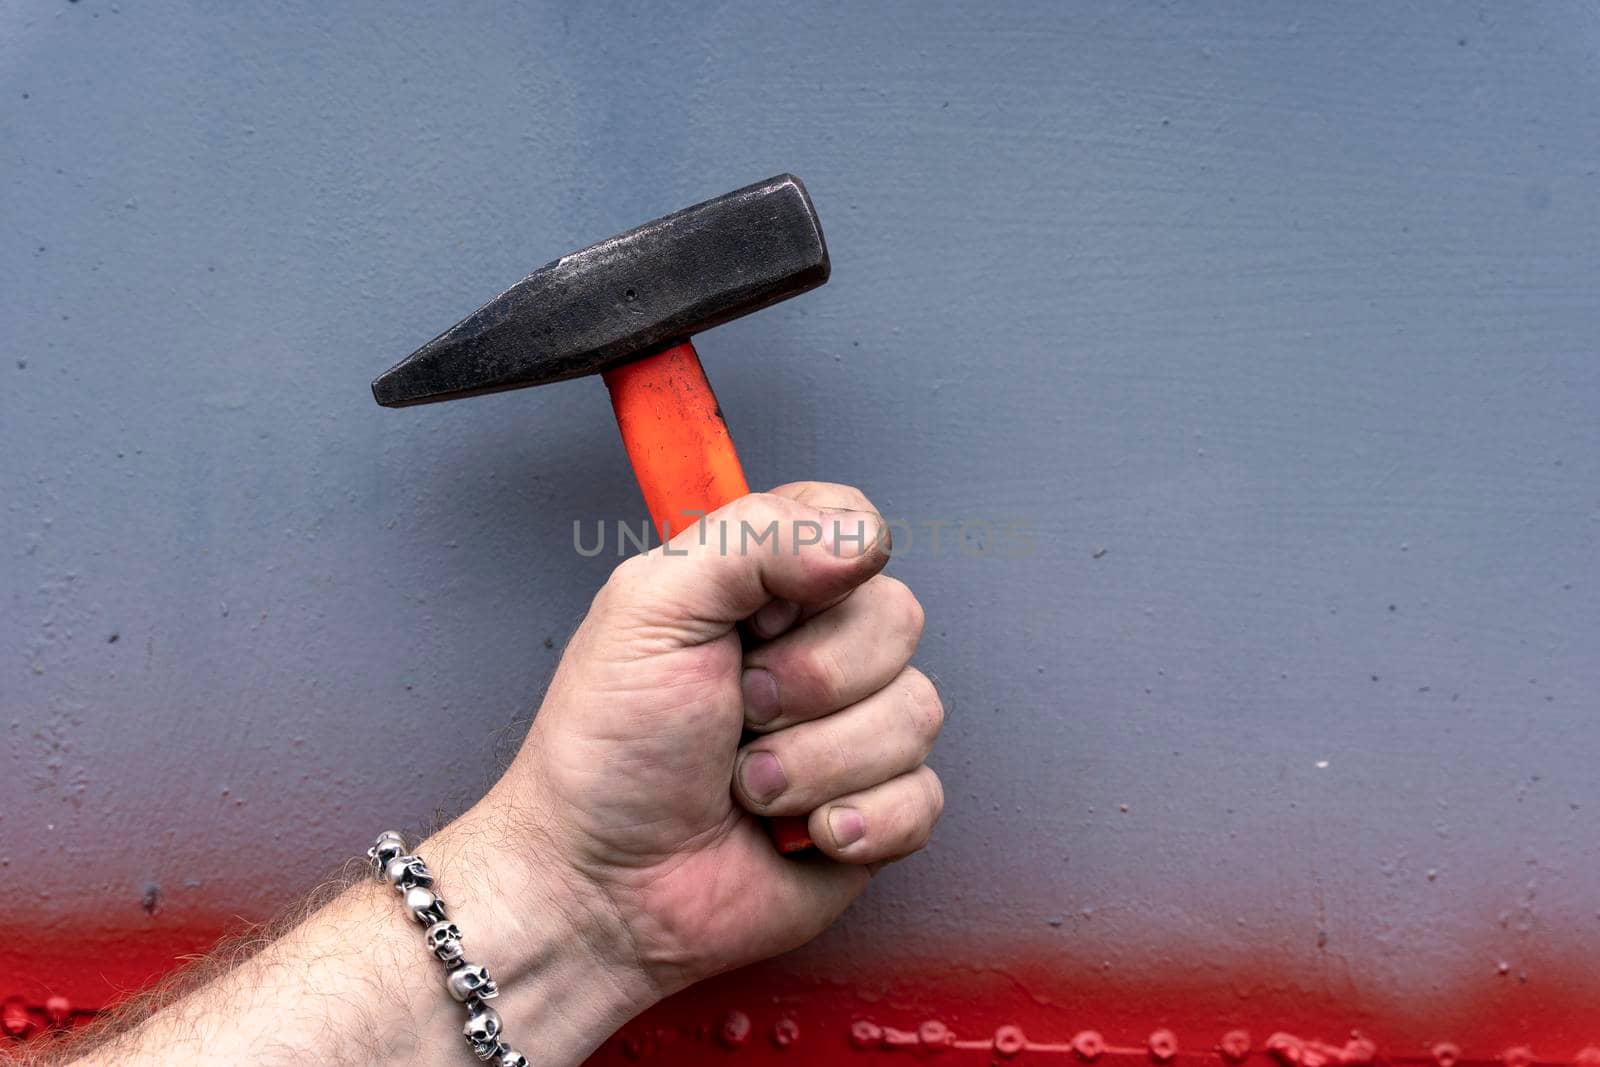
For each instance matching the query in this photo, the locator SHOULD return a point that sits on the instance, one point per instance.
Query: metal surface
(1271, 327)
(686, 272)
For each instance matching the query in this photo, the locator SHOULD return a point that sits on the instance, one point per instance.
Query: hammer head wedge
(624, 297)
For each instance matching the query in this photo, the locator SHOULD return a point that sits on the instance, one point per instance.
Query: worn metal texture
(692, 270)
(1230, 367)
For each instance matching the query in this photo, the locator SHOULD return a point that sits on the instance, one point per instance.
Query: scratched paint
(1266, 331)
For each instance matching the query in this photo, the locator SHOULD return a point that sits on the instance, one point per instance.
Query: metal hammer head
(625, 297)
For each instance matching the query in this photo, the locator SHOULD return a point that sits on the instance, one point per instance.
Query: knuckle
(828, 670)
(757, 510)
(924, 810)
(914, 833)
(832, 761)
(907, 609)
(935, 789)
(923, 706)
(629, 579)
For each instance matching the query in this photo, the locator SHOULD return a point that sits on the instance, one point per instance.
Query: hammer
(625, 308)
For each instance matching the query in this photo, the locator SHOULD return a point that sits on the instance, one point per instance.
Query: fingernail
(775, 617)
(847, 826)
(851, 533)
(760, 696)
(763, 777)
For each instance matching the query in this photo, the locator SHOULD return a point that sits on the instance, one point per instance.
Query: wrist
(554, 944)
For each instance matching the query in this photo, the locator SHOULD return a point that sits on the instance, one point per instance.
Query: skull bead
(471, 980)
(510, 1057)
(426, 908)
(482, 1031)
(388, 845)
(444, 940)
(404, 872)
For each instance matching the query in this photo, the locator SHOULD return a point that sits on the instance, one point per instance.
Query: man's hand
(634, 777)
(620, 857)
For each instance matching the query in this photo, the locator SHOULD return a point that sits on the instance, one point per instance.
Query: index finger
(779, 616)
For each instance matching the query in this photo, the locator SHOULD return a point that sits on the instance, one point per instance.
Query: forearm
(354, 984)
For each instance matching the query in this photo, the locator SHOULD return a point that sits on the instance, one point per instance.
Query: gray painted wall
(1274, 325)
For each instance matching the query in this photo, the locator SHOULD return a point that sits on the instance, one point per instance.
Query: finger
(778, 616)
(758, 548)
(834, 659)
(793, 771)
(886, 822)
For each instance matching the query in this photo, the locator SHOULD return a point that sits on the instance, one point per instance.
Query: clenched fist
(762, 671)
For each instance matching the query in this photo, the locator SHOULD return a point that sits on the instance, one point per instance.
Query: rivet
(1088, 1044)
(14, 1017)
(1286, 1049)
(785, 1032)
(1358, 1051)
(638, 1047)
(1446, 1054)
(58, 1009)
(865, 1034)
(1163, 1045)
(734, 1029)
(1009, 1041)
(935, 1034)
(1235, 1046)
(1517, 1056)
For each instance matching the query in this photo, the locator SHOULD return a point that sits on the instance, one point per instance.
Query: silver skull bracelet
(467, 983)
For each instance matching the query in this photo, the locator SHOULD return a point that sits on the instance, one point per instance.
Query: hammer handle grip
(685, 462)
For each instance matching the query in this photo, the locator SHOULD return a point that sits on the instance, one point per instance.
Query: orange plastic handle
(685, 462)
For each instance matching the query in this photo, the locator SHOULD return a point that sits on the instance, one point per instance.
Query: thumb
(756, 549)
